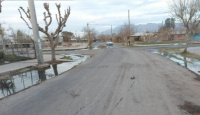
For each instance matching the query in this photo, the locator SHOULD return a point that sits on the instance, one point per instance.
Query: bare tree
(121, 34)
(103, 37)
(165, 33)
(61, 21)
(2, 30)
(1, 5)
(124, 32)
(90, 34)
(188, 12)
(14, 36)
(8, 40)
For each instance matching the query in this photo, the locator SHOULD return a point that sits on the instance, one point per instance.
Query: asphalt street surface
(115, 81)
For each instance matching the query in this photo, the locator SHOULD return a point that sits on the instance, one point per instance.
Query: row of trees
(16, 39)
(90, 34)
(121, 36)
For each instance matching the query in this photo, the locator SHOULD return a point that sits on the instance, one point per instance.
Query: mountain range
(141, 28)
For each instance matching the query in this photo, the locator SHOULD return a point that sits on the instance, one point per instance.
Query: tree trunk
(53, 55)
(12, 48)
(187, 43)
(26, 45)
(22, 51)
(34, 48)
(17, 49)
(185, 49)
(89, 43)
(55, 69)
(185, 62)
(42, 75)
(89, 40)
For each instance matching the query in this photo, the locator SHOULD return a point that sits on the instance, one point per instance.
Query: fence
(19, 49)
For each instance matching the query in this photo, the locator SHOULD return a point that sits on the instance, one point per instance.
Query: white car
(109, 43)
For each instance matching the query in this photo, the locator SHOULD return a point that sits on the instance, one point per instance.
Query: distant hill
(140, 28)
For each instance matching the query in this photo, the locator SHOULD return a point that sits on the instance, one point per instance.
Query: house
(143, 37)
(9, 43)
(137, 37)
(171, 35)
(178, 36)
(195, 36)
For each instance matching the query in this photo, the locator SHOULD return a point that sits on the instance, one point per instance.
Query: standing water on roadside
(21, 81)
(190, 63)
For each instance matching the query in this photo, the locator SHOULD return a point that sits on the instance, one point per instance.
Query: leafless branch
(1, 5)
(24, 19)
(61, 20)
(57, 19)
(46, 16)
(187, 11)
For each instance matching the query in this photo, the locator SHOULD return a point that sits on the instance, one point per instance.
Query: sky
(100, 14)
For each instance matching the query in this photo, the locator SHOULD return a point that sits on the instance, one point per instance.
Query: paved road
(116, 81)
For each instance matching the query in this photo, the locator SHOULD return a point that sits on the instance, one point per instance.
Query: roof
(178, 32)
(142, 34)
(138, 34)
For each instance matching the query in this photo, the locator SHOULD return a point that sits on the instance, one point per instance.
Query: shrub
(1, 55)
(14, 58)
(10, 57)
(67, 57)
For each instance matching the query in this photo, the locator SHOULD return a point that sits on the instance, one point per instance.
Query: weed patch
(190, 55)
(67, 57)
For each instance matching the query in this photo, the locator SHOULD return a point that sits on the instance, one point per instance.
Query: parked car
(109, 43)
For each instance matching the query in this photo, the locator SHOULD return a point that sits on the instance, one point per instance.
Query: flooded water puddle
(27, 79)
(189, 63)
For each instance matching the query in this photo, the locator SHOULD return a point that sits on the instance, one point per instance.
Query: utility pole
(88, 32)
(111, 31)
(129, 24)
(129, 27)
(37, 41)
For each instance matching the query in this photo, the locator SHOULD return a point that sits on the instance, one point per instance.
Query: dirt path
(120, 81)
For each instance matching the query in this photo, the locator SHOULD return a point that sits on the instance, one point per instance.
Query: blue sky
(104, 13)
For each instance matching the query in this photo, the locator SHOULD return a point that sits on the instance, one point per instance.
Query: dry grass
(67, 57)
(177, 50)
(190, 55)
(171, 50)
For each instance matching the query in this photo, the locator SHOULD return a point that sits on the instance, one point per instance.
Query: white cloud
(112, 12)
